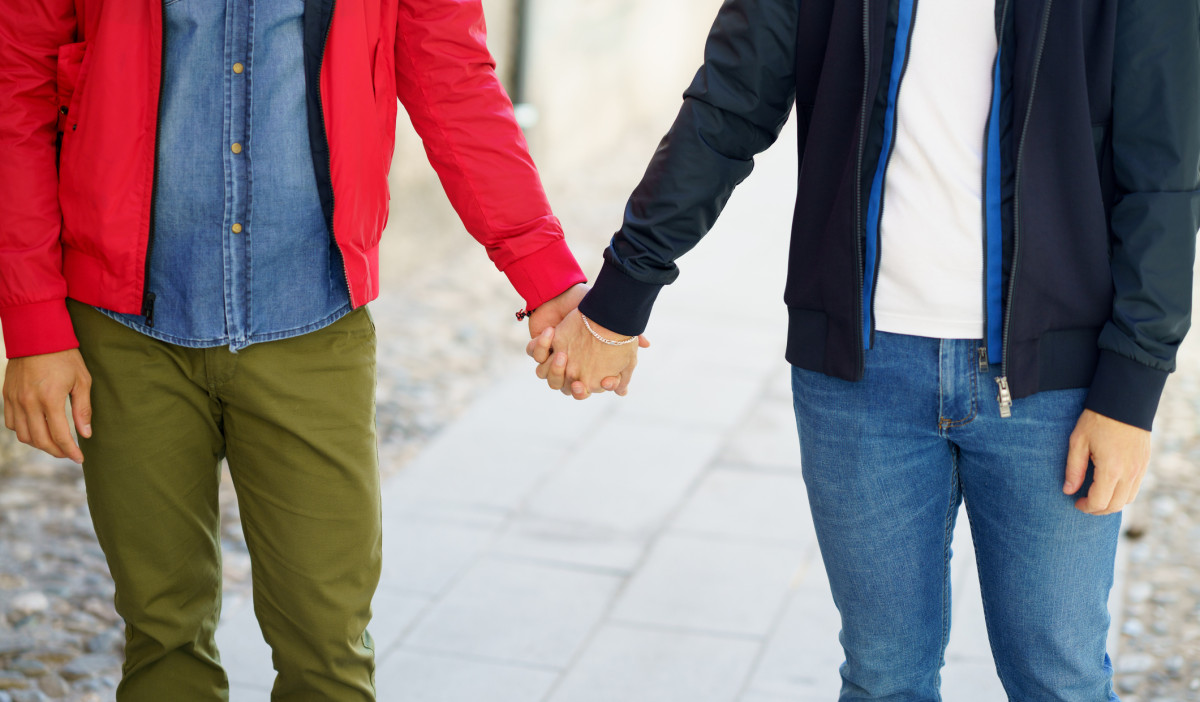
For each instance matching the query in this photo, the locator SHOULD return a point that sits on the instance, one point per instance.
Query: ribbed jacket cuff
(1125, 390)
(37, 328)
(620, 303)
(545, 274)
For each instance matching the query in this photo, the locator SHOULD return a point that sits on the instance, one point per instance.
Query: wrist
(605, 336)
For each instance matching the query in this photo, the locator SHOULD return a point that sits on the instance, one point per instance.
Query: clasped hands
(570, 358)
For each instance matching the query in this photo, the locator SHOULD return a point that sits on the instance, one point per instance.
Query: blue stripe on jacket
(875, 204)
(993, 199)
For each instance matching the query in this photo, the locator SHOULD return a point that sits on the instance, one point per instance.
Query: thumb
(539, 348)
(643, 342)
(81, 409)
(1077, 463)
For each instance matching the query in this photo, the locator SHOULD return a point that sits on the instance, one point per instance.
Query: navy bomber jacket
(1091, 183)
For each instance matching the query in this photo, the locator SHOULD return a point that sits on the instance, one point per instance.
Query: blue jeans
(888, 460)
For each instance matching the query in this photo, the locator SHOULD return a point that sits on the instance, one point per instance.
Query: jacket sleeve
(734, 109)
(446, 80)
(1156, 151)
(33, 290)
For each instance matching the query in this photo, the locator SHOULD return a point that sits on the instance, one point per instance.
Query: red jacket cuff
(545, 274)
(37, 328)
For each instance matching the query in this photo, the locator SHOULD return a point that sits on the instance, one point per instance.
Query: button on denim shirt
(241, 252)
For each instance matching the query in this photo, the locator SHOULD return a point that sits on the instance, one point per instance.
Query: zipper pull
(148, 309)
(1004, 398)
(983, 359)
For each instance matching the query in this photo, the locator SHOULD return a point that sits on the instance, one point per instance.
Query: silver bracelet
(601, 339)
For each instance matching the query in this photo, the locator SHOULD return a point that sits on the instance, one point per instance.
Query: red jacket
(88, 72)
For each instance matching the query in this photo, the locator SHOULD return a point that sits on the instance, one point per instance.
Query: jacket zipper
(912, 27)
(860, 230)
(329, 154)
(984, 361)
(1005, 396)
(147, 296)
(866, 332)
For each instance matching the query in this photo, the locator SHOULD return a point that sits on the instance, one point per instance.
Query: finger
(543, 369)
(643, 342)
(81, 408)
(540, 341)
(558, 371)
(610, 383)
(1100, 493)
(1078, 456)
(8, 416)
(21, 427)
(1133, 492)
(1120, 498)
(39, 435)
(60, 434)
(543, 346)
(1135, 486)
(579, 390)
(626, 378)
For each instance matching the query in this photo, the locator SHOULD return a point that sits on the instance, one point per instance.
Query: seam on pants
(951, 511)
(941, 387)
(987, 620)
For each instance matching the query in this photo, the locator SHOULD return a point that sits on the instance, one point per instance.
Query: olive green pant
(296, 420)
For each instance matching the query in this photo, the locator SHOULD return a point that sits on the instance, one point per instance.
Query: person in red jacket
(191, 201)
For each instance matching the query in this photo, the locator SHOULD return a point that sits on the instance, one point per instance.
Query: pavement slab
(633, 664)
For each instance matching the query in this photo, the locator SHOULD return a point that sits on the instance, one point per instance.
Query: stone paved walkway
(532, 556)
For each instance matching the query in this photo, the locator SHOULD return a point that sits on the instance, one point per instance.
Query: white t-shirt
(931, 233)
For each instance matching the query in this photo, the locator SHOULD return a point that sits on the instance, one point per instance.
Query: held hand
(35, 395)
(581, 364)
(541, 348)
(545, 318)
(1120, 453)
(549, 315)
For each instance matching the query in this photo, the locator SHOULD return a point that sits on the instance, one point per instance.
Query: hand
(541, 348)
(35, 395)
(1120, 453)
(582, 365)
(547, 316)
(552, 311)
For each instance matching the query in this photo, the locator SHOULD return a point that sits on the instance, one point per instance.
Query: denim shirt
(241, 252)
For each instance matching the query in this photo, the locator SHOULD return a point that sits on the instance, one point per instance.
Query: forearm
(446, 80)
(32, 287)
(735, 108)
(1156, 147)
